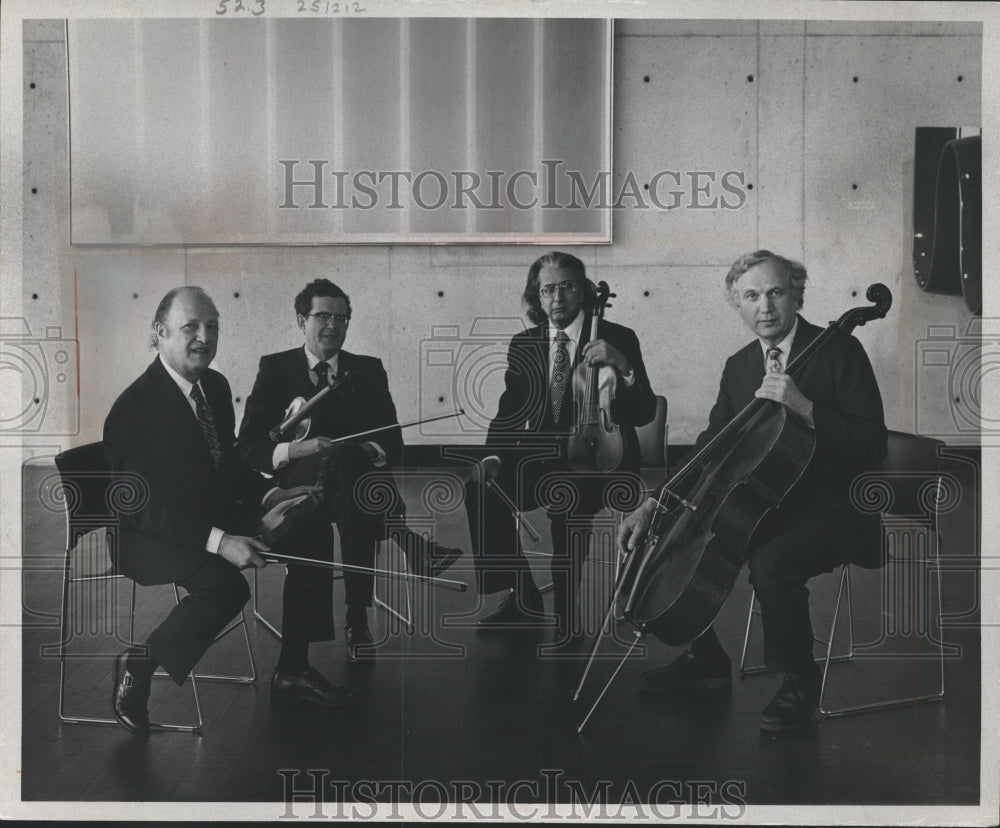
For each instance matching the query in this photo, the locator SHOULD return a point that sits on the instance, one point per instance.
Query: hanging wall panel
(288, 131)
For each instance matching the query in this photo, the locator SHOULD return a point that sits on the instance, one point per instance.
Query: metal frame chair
(92, 497)
(910, 493)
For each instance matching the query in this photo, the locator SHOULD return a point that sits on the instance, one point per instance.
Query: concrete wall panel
(802, 131)
(696, 119)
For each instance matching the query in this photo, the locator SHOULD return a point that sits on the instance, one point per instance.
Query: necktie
(207, 423)
(560, 374)
(322, 370)
(772, 364)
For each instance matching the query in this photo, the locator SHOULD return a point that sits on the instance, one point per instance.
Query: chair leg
(886, 703)
(258, 616)
(844, 578)
(746, 635)
(407, 619)
(184, 728)
(63, 642)
(518, 521)
(551, 584)
(845, 584)
(194, 676)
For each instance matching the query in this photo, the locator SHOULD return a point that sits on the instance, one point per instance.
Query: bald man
(174, 426)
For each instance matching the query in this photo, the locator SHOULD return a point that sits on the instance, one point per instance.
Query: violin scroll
(877, 293)
(881, 296)
(601, 299)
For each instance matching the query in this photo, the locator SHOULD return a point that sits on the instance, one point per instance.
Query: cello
(596, 442)
(675, 583)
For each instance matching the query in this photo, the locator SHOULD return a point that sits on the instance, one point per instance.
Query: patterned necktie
(560, 374)
(322, 371)
(207, 424)
(772, 365)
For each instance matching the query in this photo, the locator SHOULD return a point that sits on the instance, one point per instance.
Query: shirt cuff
(607, 377)
(279, 457)
(214, 540)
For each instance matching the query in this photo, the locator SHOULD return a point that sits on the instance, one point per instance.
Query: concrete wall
(818, 117)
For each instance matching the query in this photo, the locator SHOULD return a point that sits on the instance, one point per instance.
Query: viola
(596, 442)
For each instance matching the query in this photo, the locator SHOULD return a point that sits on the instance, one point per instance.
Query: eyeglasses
(326, 318)
(548, 291)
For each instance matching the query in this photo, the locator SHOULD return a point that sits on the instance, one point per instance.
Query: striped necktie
(772, 364)
(207, 424)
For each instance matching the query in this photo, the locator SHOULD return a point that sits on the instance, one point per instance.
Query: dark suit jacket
(524, 415)
(152, 431)
(847, 410)
(283, 376)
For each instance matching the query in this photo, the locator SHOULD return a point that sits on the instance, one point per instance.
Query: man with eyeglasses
(527, 440)
(362, 403)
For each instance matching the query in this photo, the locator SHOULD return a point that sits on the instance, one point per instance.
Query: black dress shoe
(130, 696)
(688, 672)
(516, 611)
(310, 687)
(359, 641)
(794, 705)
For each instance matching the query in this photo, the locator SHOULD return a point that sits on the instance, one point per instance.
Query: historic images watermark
(38, 377)
(953, 365)
(309, 184)
(311, 794)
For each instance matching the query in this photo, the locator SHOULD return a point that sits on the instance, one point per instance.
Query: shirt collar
(182, 383)
(573, 330)
(314, 360)
(785, 344)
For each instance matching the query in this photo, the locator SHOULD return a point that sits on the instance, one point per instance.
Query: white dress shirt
(785, 345)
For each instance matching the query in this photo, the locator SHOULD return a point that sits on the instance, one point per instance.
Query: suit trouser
(217, 591)
(571, 500)
(357, 495)
(791, 547)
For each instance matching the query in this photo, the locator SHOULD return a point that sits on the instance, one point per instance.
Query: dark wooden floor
(450, 713)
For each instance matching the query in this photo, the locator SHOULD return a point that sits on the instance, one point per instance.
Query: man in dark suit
(816, 528)
(362, 403)
(528, 436)
(174, 426)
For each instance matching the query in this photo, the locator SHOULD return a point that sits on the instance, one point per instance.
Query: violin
(297, 420)
(675, 583)
(596, 442)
